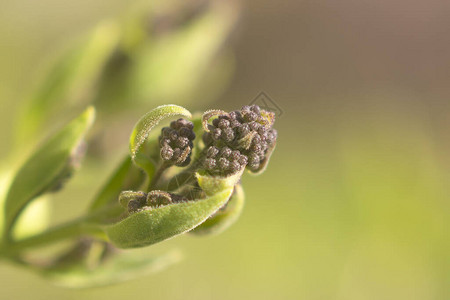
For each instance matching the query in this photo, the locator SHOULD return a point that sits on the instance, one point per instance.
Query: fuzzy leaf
(153, 225)
(209, 114)
(225, 217)
(145, 125)
(119, 268)
(47, 167)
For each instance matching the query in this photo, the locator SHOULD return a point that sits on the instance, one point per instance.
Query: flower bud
(176, 142)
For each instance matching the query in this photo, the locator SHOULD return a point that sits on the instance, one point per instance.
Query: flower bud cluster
(176, 142)
(153, 199)
(224, 160)
(239, 138)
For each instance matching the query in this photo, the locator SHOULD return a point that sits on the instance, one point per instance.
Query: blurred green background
(355, 202)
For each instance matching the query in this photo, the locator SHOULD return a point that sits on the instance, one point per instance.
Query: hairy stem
(157, 175)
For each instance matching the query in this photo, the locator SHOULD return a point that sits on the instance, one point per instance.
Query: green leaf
(182, 58)
(145, 125)
(126, 177)
(68, 80)
(118, 268)
(225, 217)
(47, 167)
(152, 225)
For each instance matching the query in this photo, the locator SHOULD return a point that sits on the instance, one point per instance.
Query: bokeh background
(355, 202)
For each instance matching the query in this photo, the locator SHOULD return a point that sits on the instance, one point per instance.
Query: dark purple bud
(176, 154)
(133, 205)
(184, 131)
(181, 142)
(182, 123)
(234, 167)
(223, 164)
(223, 124)
(244, 130)
(250, 116)
(173, 125)
(191, 136)
(209, 164)
(173, 135)
(261, 131)
(272, 136)
(225, 152)
(256, 139)
(186, 162)
(216, 133)
(235, 123)
(189, 125)
(256, 148)
(228, 135)
(263, 136)
(254, 126)
(207, 139)
(235, 115)
(264, 146)
(166, 131)
(253, 159)
(166, 153)
(261, 155)
(235, 155)
(212, 151)
(243, 160)
(164, 142)
(255, 109)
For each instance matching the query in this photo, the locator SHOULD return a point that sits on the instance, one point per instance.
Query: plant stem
(76, 228)
(157, 175)
(66, 231)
